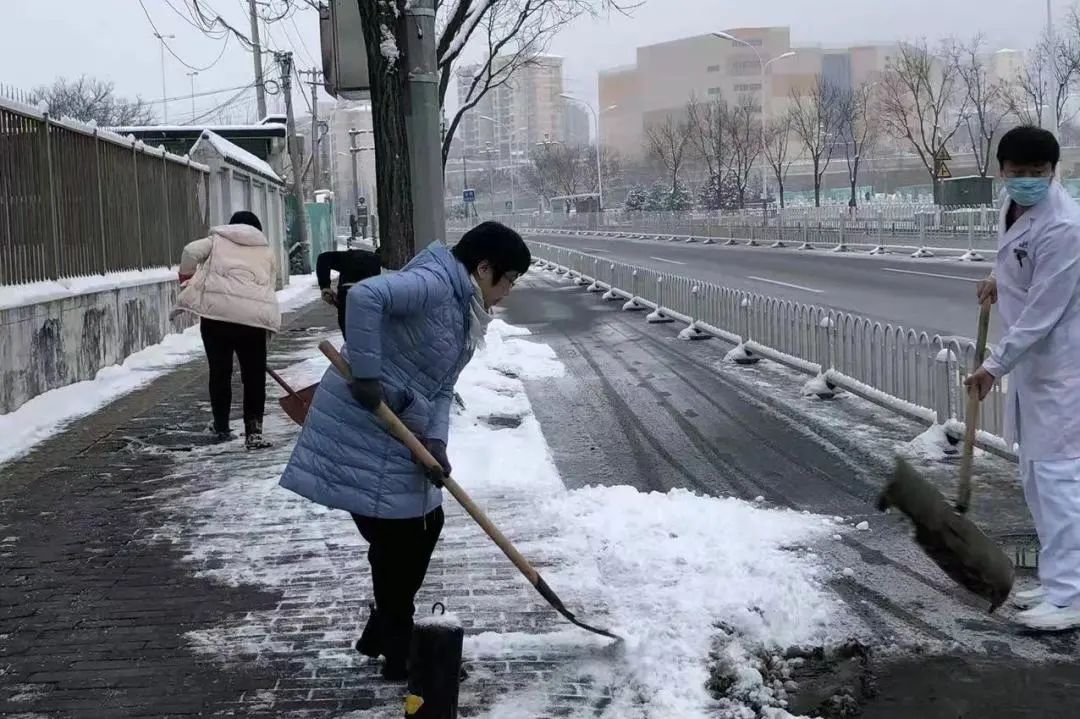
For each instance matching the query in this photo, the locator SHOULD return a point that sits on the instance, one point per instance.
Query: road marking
(785, 284)
(593, 249)
(670, 262)
(930, 274)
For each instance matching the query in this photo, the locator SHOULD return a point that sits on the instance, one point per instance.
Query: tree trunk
(780, 189)
(388, 103)
(817, 183)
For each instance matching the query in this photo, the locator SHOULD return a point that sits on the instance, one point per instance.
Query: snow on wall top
(237, 154)
(91, 129)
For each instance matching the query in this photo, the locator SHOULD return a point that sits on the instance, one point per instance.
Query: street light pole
(1052, 110)
(763, 64)
(191, 76)
(599, 171)
(164, 95)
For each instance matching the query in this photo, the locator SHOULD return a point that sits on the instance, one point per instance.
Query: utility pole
(164, 95)
(422, 123)
(354, 151)
(256, 54)
(191, 75)
(1052, 94)
(316, 78)
(284, 60)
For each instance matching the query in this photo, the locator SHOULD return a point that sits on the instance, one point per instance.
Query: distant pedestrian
(228, 280)
(352, 266)
(410, 334)
(1036, 285)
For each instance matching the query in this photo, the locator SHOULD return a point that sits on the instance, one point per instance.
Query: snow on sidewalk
(50, 412)
(661, 570)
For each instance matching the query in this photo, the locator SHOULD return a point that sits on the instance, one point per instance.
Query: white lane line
(930, 274)
(670, 262)
(594, 249)
(785, 284)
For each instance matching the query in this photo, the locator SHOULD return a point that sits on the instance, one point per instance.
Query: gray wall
(56, 343)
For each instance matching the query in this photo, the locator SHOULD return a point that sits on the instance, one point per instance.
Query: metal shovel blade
(296, 405)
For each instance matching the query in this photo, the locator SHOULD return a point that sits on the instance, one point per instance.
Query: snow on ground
(31, 293)
(49, 412)
(661, 570)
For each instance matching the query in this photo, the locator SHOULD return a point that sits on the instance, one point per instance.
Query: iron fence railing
(76, 200)
(909, 372)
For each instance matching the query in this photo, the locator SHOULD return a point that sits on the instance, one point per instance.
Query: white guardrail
(903, 370)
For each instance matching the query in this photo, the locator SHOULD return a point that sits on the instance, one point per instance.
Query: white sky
(112, 39)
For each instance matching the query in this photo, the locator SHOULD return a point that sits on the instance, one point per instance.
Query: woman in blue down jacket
(410, 334)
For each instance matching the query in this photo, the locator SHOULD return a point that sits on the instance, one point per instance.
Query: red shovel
(295, 404)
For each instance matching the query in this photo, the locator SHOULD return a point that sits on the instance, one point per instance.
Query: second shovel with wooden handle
(404, 435)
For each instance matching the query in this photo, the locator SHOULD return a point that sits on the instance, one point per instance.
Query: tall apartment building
(518, 114)
(666, 75)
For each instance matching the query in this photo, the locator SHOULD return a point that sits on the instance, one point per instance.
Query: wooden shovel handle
(971, 417)
(404, 435)
(284, 385)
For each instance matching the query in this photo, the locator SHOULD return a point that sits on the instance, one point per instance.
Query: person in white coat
(228, 280)
(1036, 285)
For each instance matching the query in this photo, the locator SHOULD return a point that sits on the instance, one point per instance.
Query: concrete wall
(53, 344)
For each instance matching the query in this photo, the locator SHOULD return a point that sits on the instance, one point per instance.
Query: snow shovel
(404, 435)
(295, 404)
(949, 538)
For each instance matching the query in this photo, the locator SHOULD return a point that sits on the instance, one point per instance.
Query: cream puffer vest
(234, 276)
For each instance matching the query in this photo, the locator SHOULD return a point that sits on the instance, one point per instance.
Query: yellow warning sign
(943, 172)
(413, 704)
(942, 155)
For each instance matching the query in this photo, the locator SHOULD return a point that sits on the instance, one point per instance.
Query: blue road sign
(469, 195)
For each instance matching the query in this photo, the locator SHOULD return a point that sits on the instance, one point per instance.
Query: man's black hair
(1028, 145)
(244, 217)
(501, 246)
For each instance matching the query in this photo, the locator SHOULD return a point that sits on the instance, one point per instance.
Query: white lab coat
(1038, 280)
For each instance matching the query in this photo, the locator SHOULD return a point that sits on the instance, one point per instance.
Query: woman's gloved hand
(368, 392)
(437, 448)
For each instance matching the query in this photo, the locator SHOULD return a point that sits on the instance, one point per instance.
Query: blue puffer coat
(410, 329)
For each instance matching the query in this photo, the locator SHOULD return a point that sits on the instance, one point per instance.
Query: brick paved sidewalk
(143, 573)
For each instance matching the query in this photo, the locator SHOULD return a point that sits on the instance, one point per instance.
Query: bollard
(611, 294)
(595, 286)
(741, 354)
(434, 667)
(821, 386)
(657, 316)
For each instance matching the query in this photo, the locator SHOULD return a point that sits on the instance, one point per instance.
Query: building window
(748, 87)
(745, 67)
(713, 68)
(714, 91)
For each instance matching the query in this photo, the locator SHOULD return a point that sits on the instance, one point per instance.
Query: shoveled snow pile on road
(664, 568)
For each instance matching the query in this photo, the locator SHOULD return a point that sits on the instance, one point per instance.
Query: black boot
(396, 642)
(253, 438)
(370, 643)
(220, 433)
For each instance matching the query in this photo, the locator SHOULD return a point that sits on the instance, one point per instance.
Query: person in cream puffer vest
(228, 281)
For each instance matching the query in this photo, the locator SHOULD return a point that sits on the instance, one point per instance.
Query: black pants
(399, 551)
(222, 340)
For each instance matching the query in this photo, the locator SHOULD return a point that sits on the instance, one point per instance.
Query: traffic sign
(469, 195)
(943, 155)
(943, 172)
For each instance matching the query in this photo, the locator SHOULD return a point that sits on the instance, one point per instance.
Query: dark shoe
(253, 438)
(220, 434)
(370, 642)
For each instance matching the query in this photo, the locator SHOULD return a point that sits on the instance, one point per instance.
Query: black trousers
(399, 551)
(222, 340)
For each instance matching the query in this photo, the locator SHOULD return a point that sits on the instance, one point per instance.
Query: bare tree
(1050, 74)
(743, 127)
(815, 118)
(987, 105)
(512, 33)
(777, 150)
(858, 129)
(610, 165)
(556, 169)
(708, 139)
(922, 102)
(666, 142)
(88, 98)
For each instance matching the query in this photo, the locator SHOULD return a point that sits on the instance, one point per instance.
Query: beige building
(666, 75)
(522, 112)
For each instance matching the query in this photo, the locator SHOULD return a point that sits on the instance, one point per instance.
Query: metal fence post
(165, 196)
(922, 252)
(879, 248)
(841, 246)
(945, 406)
(595, 286)
(691, 331)
(54, 222)
(138, 201)
(971, 255)
(752, 242)
(101, 203)
(611, 294)
(657, 315)
(632, 303)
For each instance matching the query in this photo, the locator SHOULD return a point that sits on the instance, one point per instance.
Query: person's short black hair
(1028, 145)
(244, 217)
(501, 246)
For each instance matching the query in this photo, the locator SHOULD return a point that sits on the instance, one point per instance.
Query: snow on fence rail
(903, 370)
(78, 200)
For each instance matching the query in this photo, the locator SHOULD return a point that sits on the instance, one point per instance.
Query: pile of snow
(32, 293)
(50, 412)
(931, 445)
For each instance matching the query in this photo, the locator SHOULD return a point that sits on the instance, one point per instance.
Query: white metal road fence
(912, 373)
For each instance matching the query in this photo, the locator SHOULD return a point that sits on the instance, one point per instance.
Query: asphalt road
(639, 407)
(932, 295)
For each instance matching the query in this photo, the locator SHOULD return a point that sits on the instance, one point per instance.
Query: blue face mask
(1027, 191)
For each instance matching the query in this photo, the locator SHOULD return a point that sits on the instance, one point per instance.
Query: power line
(205, 93)
(223, 105)
(179, 59)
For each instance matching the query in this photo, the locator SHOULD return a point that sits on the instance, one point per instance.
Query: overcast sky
(112, 39)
